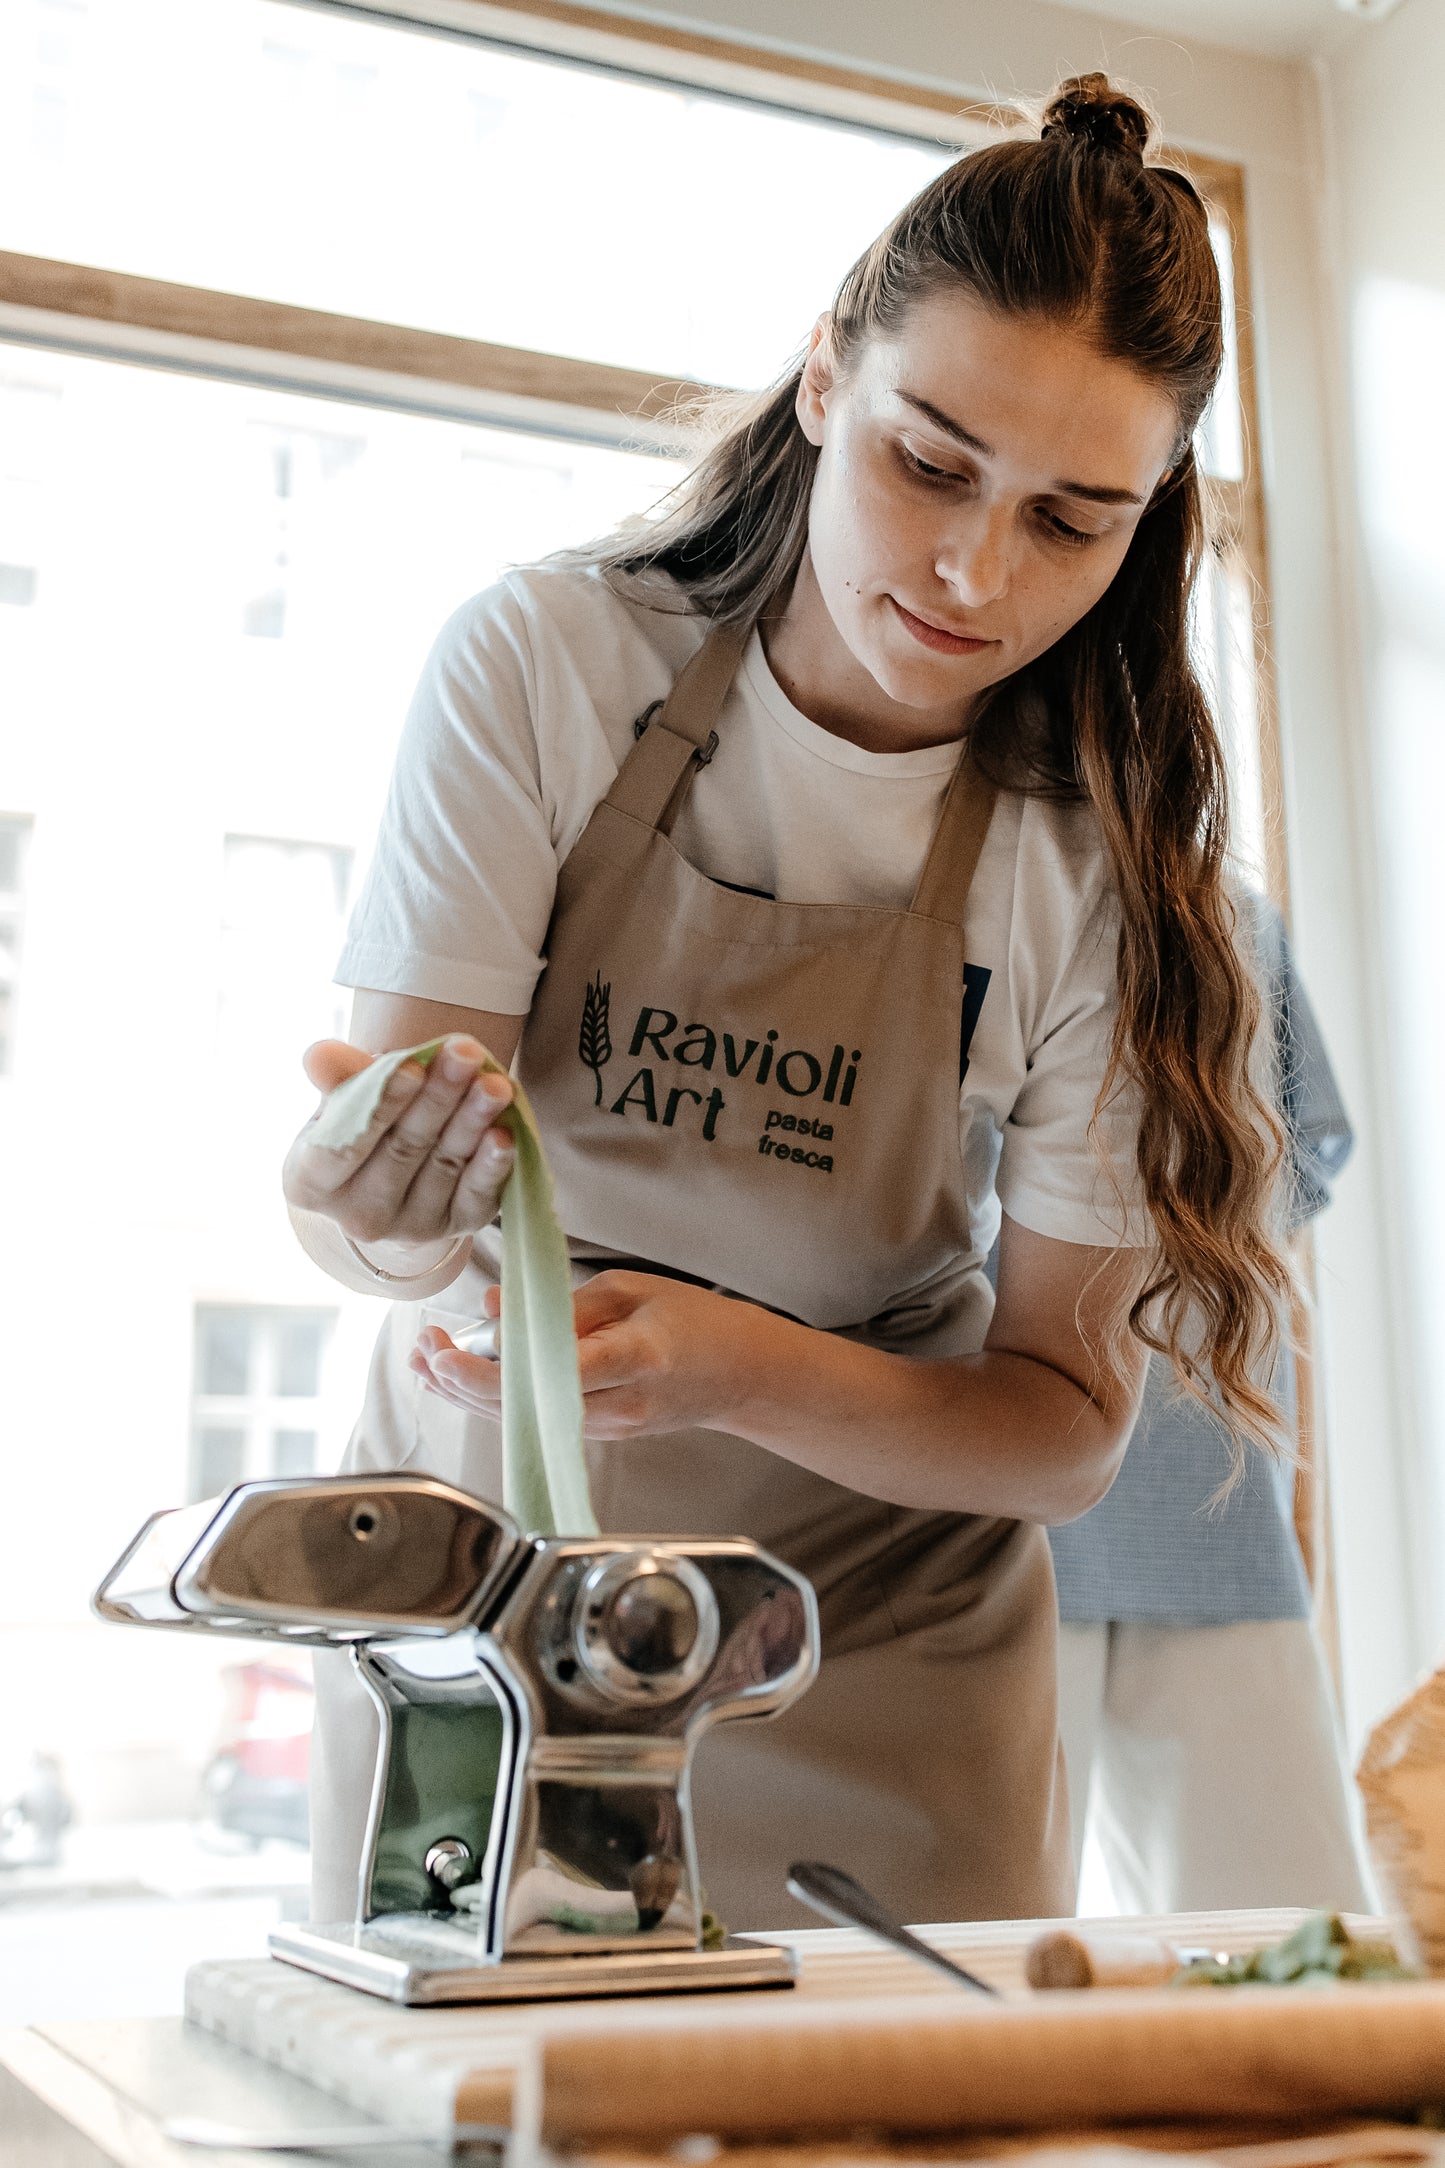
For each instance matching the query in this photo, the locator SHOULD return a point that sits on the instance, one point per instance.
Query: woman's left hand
(654, 1354)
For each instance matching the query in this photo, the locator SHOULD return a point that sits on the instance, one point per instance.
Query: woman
(870, 819)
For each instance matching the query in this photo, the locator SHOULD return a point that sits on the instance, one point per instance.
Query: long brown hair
(1078, 226)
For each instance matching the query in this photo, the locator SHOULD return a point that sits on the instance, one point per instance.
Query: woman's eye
(925, 469)
(1060, 529)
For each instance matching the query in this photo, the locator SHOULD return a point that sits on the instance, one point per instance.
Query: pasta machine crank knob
(646, 1627)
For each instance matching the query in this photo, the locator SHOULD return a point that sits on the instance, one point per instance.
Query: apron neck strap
(957, 845)
(679, 731)
(679, 734)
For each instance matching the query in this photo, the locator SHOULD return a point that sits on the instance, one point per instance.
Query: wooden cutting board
(438, 2066)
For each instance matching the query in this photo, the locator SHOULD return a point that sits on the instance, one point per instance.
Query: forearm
(993, 1433)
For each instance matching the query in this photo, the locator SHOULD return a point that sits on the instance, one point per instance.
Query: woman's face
(979, 479)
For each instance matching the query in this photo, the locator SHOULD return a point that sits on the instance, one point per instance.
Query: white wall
(1379, 105)
(1266, 115)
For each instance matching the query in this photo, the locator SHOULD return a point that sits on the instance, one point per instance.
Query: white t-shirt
(524, 712)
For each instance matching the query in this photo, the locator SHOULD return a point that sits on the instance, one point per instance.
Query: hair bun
(1089, 109)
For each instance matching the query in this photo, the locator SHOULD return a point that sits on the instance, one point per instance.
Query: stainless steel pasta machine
(539, 1699)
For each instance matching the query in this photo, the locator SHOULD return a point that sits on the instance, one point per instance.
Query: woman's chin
(928, 682)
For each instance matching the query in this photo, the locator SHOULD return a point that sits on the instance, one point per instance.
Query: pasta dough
(544, 1473)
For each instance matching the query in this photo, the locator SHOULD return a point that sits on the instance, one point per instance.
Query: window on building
(257, 1406)
(18, 585)
(1224, 648)
(283, 910)
(14, 848)
(1231, 618)
(291, 469)
(30, 420)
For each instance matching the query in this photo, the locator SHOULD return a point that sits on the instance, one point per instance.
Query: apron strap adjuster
(657, 770)
(702, 754)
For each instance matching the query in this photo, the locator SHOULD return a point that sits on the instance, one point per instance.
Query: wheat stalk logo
(594, 1042)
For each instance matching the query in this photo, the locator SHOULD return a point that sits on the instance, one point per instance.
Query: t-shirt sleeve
(459, 891)
(1060, 1172)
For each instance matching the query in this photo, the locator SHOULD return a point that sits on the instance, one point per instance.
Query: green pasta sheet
(544, 1470)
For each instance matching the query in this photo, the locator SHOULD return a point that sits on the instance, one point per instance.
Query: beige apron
(763, 1097)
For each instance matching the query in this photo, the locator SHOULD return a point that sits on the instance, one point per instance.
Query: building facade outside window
(14, 848)
(257, 1400)
(283, 913)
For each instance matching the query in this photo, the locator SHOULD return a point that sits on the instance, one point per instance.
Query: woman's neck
(825, 681)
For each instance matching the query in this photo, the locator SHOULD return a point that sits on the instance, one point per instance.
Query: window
(14, 846)
(384, 172)
(283, 911)
(292, 469)
(1233, 622)
(18, 585)
(1229, 628)
(257, 1402)
(29, 446)
(1224, 646)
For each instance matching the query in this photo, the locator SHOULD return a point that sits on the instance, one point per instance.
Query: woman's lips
(943, 643)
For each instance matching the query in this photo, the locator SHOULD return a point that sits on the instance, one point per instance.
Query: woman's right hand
(432, 1164)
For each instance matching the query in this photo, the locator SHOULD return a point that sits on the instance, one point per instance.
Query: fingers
(608, 1297)
(623, 1413)
(612, 1357)
(317, 1177)
(623, 1356)
(615, 1355)
(331, 1061)
(482, 1180)
(416, 1111)
(470, 1382)
(460, 1180)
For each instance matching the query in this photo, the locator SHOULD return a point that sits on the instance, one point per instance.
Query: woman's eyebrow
(946, 422)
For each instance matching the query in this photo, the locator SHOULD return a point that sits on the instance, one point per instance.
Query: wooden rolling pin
(1066, 1957)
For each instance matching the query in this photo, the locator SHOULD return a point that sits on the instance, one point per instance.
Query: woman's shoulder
(546, 672)
(566, 610)
(1064, 859)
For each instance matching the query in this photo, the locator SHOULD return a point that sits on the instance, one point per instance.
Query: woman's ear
(816, 381)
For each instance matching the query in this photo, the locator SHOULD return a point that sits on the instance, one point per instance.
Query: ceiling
(1284, 29)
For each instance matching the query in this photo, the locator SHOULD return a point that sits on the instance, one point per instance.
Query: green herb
(589, 1923)
(544, 1471)
(1320, 1951)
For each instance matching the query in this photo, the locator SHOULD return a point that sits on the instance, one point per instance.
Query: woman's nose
(976, 560)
